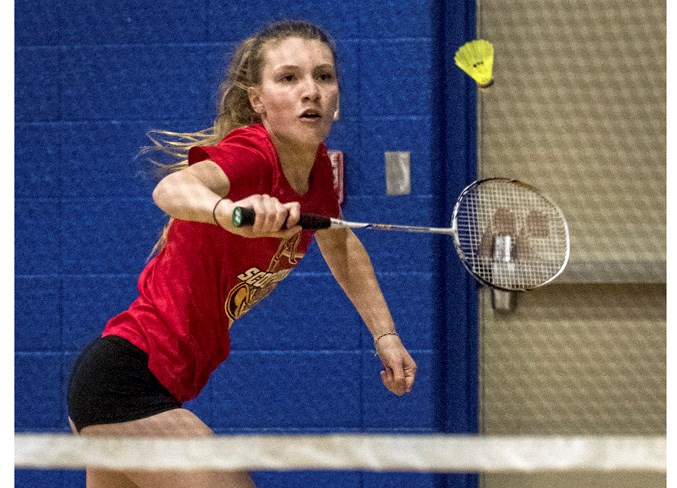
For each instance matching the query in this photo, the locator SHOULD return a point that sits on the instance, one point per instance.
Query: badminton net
(392, 453)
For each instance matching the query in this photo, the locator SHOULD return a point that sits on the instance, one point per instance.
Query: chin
(311, 136)
(301, 135)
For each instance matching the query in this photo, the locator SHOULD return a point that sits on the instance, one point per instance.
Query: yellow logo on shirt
(255, 284)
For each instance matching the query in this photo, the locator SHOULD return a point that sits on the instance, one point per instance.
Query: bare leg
(101, 478)
(173, 423)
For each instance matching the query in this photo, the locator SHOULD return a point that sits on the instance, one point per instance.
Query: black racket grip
(244, 217)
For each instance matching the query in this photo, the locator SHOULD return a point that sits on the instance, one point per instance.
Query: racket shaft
(336, 223)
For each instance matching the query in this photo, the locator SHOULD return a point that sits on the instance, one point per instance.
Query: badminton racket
(507, 233)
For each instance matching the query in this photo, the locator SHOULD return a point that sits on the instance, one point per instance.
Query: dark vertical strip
(455, 139)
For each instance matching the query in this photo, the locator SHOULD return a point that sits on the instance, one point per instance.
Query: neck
(297, 163)
(297, 168)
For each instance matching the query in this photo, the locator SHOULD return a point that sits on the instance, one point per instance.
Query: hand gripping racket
(507, 234)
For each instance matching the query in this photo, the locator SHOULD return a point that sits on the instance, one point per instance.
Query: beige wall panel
(578, 109)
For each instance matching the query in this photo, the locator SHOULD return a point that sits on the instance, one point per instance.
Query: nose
(311, 90)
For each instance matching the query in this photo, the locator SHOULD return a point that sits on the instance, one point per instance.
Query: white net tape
(432, 453)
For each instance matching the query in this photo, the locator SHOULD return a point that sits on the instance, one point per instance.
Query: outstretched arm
(350, 264)
(193, 194)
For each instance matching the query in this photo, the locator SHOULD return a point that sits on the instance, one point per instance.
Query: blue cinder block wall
(93, 77)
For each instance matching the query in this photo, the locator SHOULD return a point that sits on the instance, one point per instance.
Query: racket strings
(510, 236)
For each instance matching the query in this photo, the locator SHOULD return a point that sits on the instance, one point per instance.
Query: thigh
(173, 423)
(101, 478)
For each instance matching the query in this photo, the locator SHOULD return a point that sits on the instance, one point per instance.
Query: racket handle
(244, 217)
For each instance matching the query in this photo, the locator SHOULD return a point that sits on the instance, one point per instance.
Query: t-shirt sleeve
(247, 167)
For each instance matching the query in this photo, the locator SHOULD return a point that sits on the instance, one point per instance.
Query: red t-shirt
(205, 278)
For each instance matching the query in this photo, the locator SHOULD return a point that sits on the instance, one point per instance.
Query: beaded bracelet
(379, 337)
(214, 213)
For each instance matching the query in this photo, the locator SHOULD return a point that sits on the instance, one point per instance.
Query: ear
(255, 99)
(337, 112)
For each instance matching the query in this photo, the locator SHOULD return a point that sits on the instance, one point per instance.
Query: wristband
(214, 213)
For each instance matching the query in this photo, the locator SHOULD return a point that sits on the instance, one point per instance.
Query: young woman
(265, 151)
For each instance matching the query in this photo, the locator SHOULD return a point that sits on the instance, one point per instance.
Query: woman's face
(298, 94)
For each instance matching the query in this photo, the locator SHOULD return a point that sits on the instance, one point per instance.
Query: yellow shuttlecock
(476, 58)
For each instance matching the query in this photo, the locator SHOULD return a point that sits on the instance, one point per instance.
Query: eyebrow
(293, 66)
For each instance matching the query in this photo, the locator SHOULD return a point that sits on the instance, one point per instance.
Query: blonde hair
(233, 109)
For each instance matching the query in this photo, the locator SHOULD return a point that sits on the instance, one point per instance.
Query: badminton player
(265, 151)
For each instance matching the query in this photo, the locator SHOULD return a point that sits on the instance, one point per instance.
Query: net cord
(392, 453)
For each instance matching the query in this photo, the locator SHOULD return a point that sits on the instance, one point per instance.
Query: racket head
(509, 235)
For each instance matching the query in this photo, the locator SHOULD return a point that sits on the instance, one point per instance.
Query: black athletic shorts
(111, 383)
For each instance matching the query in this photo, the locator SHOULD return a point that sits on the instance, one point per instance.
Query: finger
(280, 214)
(410, 374)
(270, 215)
(271, 220)
(258, 205)
(390, 384)
(294, 213)
(398, 377)
(409, 378)
(387, 382)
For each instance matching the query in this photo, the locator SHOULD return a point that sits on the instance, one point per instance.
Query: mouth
(311, 114)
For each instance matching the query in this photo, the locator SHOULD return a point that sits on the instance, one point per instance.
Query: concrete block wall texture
(93, 77)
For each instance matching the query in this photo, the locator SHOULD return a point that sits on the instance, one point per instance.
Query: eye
(287, 78)
(326, 77)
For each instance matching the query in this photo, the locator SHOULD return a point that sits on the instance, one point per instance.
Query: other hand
(399, 370)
